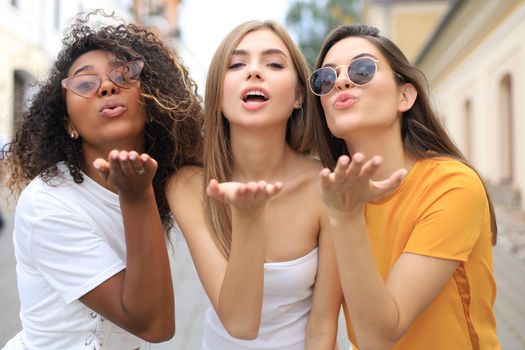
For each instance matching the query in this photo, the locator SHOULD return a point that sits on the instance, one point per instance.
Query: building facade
(162, 16)
(409, 23)
(474, 63)
(473, 54)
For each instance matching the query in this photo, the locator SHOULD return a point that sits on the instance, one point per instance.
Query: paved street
(191, 301)
(9, 305)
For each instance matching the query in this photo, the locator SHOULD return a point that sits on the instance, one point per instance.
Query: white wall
(478, 78)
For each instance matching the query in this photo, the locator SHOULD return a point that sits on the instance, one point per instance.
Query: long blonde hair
(218, 158)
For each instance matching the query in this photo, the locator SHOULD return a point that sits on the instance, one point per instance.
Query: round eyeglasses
(87, 85)
(360, 71)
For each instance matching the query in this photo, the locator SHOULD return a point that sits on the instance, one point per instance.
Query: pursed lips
(344, 100)
(112, 109)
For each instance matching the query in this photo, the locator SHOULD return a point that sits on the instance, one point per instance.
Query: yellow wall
(408, 24)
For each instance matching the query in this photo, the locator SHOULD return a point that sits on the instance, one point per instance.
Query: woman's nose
(254, 72)
(342, 81)
(107, 88)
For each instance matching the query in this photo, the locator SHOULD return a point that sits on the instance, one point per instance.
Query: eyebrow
(83, 68)
(113, 63)
(353, 59)
(264, 53)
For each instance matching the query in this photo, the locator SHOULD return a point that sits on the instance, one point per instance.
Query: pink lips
(112, 109)
(254, 104)
(344, 101)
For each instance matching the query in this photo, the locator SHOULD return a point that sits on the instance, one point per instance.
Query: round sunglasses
(87, 85)
(360, 71)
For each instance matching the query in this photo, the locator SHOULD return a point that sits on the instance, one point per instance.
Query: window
(506, 129)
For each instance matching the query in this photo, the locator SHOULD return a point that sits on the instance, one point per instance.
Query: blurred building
(474, 59)
(409, 23)
(161, 16)
(474, 63)
(30, 36)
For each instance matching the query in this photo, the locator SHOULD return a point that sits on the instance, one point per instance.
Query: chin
(343, 128)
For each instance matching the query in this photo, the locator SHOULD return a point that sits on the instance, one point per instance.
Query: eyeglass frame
(65, 82)
(347, 75)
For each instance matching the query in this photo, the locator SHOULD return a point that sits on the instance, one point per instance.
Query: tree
(312, 20)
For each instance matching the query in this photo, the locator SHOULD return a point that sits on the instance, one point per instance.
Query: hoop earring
(73, 135)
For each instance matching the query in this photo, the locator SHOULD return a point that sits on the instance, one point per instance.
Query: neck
(387, 144)
(259, 154)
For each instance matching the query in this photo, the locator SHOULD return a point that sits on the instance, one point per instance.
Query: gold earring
(73, 135)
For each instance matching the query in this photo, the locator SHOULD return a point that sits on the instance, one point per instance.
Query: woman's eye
(276, 65)
(85, 85)
(235, 65)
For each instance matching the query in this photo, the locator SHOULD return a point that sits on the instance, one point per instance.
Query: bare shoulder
(186, 177)
(305, 175)
(309, 167)
(185, 187)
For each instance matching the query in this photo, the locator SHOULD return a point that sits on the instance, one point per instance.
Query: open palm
(250, 195)
(349, 187)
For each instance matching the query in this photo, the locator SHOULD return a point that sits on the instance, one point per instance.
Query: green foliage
(312, 20)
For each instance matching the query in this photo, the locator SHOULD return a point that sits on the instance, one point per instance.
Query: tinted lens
(84, 85)
(322, 81)
(362, 70)
(126, 74)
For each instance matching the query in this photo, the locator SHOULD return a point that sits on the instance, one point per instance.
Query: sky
(204, 23)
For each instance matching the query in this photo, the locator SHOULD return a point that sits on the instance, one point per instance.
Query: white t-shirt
(287, 301)
(68, 239)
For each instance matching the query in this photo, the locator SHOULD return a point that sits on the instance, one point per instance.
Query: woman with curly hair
(90, 234)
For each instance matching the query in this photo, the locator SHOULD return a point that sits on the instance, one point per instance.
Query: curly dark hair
(171, 103)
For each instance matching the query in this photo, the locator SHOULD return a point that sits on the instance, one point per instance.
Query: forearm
(374, 313)
(241, 294)
(321, 334)
(321, 328)
(147, 294)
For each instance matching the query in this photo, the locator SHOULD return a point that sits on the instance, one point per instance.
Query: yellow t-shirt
(441, 210)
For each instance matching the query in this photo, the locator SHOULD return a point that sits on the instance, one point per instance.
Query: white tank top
(287, 301)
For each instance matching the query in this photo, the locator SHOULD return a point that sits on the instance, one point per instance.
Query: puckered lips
(344, 100)
(112, 109)
(254, 97)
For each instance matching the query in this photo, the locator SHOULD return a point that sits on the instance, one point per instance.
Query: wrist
(138, 194)
(353, 214)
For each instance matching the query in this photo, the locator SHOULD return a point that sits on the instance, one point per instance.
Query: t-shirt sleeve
(454, 212)
(71, 255)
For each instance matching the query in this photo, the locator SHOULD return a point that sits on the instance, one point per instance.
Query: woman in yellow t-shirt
(412, 224)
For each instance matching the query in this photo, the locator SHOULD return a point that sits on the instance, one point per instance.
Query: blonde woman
(257, 229)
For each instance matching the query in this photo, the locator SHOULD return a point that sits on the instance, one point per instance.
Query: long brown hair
(218, 159)
(171, 103)
(421, 130)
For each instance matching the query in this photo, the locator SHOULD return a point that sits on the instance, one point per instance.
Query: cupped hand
(128, 171)
(243, 196)
(349, 187)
